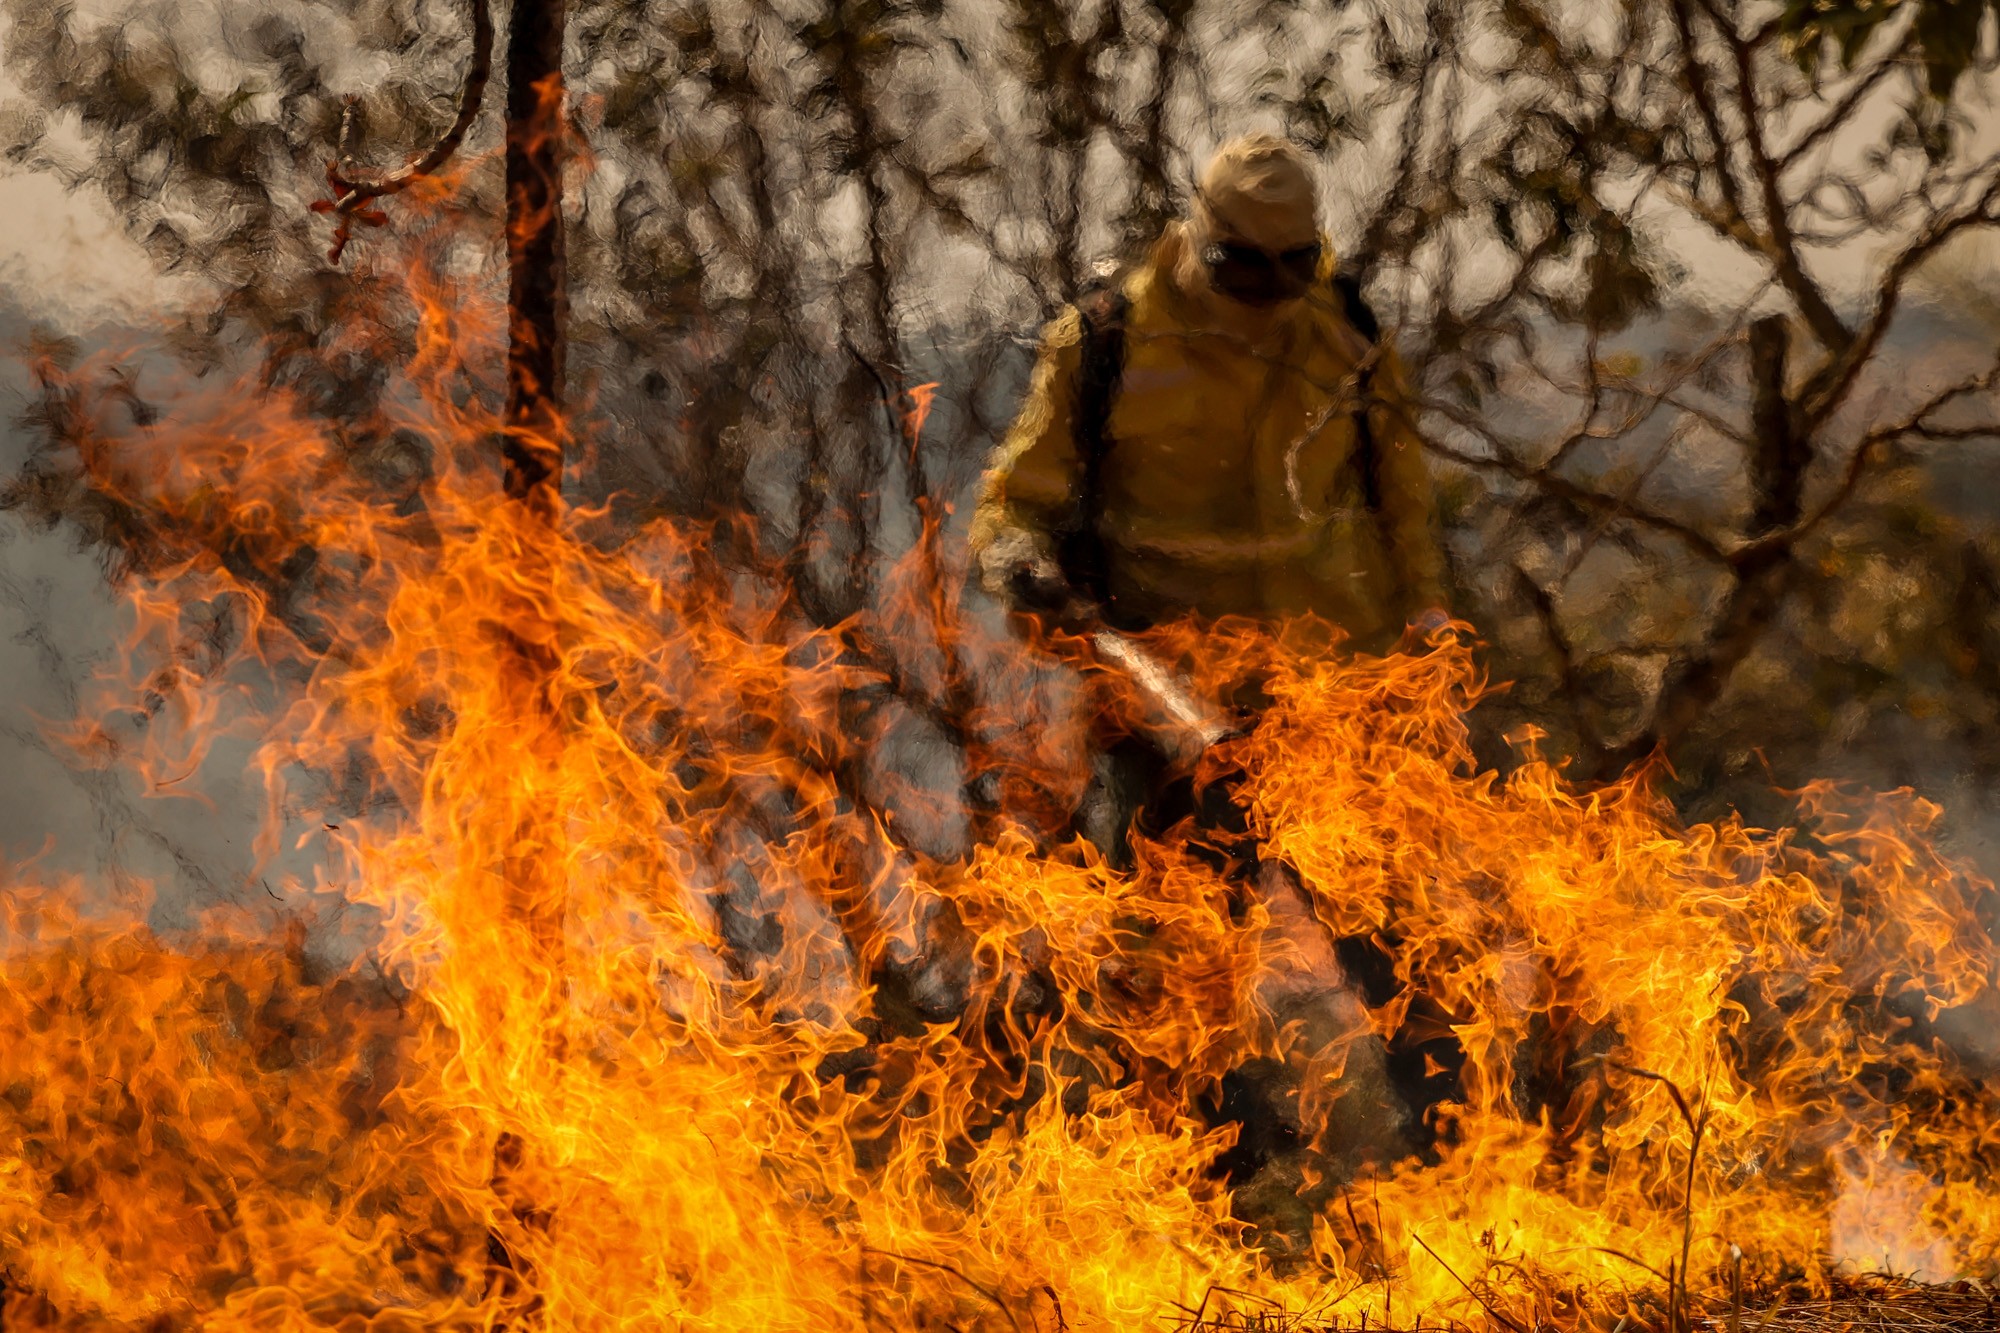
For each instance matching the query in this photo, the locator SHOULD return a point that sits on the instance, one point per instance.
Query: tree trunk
(533, 448)
(1781, 451)
(532, 454)
(1781, 455)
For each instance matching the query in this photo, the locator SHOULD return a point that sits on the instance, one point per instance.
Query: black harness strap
(1081, 551)
(1362, 319)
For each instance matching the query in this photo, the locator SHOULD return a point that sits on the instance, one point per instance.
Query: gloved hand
(1038, 586)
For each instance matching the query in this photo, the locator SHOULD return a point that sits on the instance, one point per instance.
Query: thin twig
(1677, 1294)
(355, 185)
(983, 1290)
(1483, 1302)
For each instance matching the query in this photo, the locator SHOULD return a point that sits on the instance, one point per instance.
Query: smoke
(65, 266)
(67, 263)
(67, 269)
(1879, 1226)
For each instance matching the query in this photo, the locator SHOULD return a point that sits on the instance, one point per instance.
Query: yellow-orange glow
(572, 1106)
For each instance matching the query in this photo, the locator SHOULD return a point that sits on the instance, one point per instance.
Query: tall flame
(637, 1045)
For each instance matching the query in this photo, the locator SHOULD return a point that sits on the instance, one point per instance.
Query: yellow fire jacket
(1230, 483)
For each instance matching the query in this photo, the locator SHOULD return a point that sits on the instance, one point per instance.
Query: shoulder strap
(1101, 365)
(1355, 306)
(1367, 458)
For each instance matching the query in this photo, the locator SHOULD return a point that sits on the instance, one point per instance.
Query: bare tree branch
(355, 185)
(1779, 245)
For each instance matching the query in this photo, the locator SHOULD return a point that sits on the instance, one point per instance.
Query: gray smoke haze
(67, 268)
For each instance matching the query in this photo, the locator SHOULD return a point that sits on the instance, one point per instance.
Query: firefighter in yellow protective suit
(1220, 435)
(1217, 437)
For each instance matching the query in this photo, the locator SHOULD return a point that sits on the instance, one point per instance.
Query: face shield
(1257, 277)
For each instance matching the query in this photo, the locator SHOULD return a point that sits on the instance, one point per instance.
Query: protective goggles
(1258, 277)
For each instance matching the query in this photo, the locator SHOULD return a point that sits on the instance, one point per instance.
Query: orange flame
(635, 1045)
(918, 413)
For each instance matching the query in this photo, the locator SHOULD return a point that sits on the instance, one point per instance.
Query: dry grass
(1871, 1304)
(1878, 1304)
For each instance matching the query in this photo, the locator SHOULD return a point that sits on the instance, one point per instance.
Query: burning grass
(563, 1090)
(1877, 1303)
